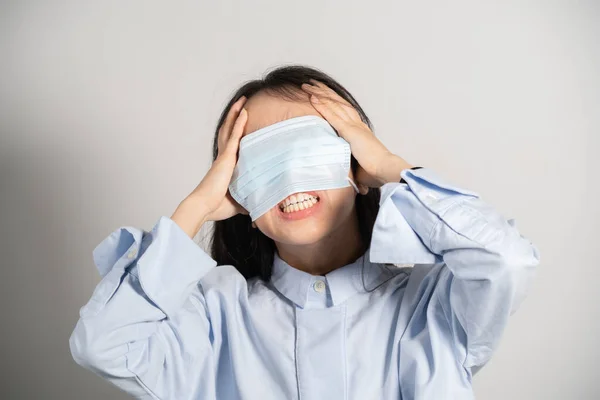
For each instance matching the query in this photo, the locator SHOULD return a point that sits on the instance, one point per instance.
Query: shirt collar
(343, 282)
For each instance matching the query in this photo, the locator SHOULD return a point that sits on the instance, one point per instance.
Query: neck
(340, 247)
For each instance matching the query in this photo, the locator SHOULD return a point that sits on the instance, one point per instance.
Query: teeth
(297, 202)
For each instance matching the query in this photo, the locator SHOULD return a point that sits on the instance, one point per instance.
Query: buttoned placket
(319, 295)
(320, 345)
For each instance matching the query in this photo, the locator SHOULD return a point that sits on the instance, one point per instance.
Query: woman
(298, 298)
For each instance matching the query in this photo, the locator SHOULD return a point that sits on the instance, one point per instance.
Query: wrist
(391, 168)
(190, 215)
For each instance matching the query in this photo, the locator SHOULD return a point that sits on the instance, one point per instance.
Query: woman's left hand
(374, 159)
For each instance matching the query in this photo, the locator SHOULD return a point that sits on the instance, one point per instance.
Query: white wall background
(107, 111)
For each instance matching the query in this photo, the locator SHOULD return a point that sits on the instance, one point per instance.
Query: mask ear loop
(353, 185)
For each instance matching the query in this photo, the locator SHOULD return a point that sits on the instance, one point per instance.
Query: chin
(296, 240)
(302, 232)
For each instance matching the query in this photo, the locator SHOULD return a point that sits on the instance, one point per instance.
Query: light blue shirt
(164, 323)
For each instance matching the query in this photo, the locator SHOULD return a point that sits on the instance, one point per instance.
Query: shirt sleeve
(487, 267)
(146, 328)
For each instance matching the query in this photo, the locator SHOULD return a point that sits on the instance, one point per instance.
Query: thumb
(364, 180)
(324, 108)
(238, 207)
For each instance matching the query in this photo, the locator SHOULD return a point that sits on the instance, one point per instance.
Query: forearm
(147, 306)
(391, 168)
(488, 265)
(190, 215)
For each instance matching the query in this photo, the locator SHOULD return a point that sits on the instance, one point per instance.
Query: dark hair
(234, 241)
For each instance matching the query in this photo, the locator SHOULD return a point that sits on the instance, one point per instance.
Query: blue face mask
(295, 155)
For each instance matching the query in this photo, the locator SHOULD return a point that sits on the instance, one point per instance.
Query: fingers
(233, 114)
(319, 88)
(237, 131)
(225, 131)
(329, 111)
(325, 93)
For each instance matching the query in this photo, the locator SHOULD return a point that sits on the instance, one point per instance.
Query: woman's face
(333, 207)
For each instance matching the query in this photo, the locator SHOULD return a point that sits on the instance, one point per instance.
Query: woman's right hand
(211, 200)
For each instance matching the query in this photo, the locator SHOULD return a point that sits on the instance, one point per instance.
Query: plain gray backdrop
(108, 108)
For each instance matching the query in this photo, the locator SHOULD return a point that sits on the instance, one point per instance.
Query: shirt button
(319, 286)
(431, 196)
(132, 253)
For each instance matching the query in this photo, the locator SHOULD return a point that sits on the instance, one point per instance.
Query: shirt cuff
(166, 261)
(170, 269)
(113, 257)
(413, 168)
(409, 213)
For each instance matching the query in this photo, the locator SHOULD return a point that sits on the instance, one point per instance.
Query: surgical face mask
(295, 155)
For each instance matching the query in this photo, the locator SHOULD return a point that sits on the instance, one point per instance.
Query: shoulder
(223, 278)
(225, 283)
(427, 273)
(415, 274)
(426, 291)
(424, 279)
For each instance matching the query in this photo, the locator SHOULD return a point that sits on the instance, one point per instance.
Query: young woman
(299, 297)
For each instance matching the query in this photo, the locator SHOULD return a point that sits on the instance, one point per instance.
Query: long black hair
(234, 241)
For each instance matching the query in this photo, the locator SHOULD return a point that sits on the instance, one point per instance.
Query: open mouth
(299, 202)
